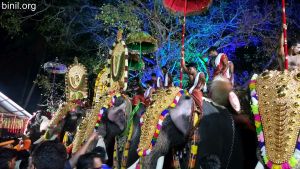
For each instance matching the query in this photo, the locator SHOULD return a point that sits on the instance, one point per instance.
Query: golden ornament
(278, 110)
(161, 101)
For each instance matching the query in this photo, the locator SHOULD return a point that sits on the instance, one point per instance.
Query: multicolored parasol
(55, 67)
(187, 7)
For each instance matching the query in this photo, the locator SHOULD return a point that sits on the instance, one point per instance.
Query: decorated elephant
(36, 123)
(238, 102)
(114, 123)
(127, 136)
(219, 143)
(61, 126)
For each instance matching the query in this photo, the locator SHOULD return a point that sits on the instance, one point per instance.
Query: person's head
(164, 69)
(153, 76)
(101, 152)
(89, 161)
(7, 158)
(192, 68)
(213, 51)
(149, 83)
(49, 155)
(295, 48)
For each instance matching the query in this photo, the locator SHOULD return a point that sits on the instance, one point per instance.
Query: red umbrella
(186, 7)
(192, 6)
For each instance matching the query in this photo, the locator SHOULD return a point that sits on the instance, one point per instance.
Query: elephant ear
(44, 124)
(181, 114)
(234, 101)
(117, 115)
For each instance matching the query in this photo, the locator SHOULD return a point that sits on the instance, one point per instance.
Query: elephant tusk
(259, 165)
(160, 162)
(133, 166)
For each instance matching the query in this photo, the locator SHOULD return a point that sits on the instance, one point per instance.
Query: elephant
(39, 124)
(113, 124)
(219, 145)
(34, 128)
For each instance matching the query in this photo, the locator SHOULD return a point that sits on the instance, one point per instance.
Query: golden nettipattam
(279, 107)
(161, 101)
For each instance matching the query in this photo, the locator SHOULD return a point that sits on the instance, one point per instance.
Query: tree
(230, 25)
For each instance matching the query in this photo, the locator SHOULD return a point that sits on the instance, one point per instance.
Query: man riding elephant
(222, 66)
(196, 81)
(219, 141)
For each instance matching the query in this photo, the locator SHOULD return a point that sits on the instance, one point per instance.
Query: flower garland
(260, 135)
(126, 148)
(128, 132)
(163, 115)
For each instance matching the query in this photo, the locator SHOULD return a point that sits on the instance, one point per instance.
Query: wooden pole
(284, 36)
(182, 44)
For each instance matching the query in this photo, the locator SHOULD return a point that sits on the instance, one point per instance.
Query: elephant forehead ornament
(278, 113)
(118, 64)
(76, 81)
(163, 99)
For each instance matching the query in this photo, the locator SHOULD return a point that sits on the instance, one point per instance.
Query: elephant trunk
(160, 149)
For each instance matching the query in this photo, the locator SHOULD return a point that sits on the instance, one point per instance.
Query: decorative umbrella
(187, 7)
(141, 43)
(55, 67)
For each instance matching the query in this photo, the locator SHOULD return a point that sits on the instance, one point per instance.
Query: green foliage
(10, 21)
(121, 16)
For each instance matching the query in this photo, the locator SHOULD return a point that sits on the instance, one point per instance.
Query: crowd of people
(51, 155)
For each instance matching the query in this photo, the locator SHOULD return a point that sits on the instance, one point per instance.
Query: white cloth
(158, 82)
(195, 83)
(166, 82)
(147, 92)
(217, 62)
(101, 143)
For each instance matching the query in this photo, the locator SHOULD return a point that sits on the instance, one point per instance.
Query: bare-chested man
(196, 80)
(222, 66)
(293, 55)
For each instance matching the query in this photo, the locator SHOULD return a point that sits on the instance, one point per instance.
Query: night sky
(21, 58)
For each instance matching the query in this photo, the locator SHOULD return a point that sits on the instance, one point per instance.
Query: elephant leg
(160, 149)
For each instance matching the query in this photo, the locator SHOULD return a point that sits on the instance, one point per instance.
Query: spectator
(7, 158)
(101, 152)
(91, 161)
(49, 155)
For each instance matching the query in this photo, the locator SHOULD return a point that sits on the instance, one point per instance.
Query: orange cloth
(197, 96)
(26, 145)
(219, 68)
(138, 98)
